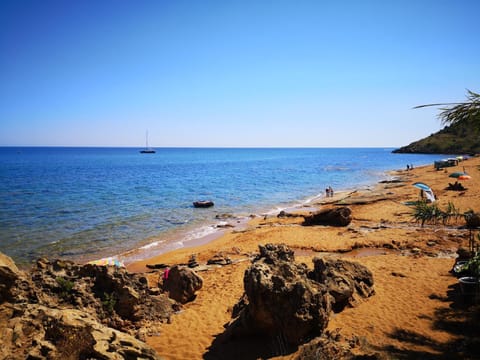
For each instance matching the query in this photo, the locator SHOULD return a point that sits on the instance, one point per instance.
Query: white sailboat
(147, 149)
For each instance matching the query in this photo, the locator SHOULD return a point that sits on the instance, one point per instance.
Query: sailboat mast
(147, 150)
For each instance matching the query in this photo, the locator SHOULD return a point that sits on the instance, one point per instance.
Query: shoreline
(410, 265)
(309, 204)
(114, 215)
(187, 238)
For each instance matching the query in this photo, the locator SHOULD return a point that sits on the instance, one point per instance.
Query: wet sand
(411, 313)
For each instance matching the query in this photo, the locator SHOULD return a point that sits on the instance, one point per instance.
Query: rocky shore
(357, 278)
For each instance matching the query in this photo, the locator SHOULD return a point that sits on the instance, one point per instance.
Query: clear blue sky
(232, 73)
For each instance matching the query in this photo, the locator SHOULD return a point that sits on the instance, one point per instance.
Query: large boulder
(339, 216)
(280, 300)
(284, 300)
(347, 282)
(182, 283)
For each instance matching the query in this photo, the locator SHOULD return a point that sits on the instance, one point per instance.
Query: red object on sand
(165, 274)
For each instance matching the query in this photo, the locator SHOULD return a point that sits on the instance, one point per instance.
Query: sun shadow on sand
(461, 319)
(249, 347)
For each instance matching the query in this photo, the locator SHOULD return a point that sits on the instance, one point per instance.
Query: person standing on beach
(330, 191)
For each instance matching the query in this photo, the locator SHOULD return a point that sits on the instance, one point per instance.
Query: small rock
(154, 291)
(225, 226)
(223, 216)
(182, 284)
(192, 262)
(219, 259)
(157, 266)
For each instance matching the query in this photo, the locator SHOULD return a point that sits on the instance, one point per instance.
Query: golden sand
(410, 265)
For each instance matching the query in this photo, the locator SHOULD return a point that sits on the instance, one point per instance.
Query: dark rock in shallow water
(203, 204)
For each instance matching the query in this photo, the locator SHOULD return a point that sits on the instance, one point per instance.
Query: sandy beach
(417, 310)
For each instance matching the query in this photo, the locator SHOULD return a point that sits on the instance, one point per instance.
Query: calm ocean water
(88, 203)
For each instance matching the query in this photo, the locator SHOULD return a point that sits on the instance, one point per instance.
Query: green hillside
(460, 138)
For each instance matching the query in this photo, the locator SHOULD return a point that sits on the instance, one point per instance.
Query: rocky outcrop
(283, 299)
(339, 216)
(40, 332)
(181, 284)
(62, 310)
(9, 273)
(347, 282)
(116, 297)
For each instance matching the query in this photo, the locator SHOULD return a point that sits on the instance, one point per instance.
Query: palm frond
(459, 112)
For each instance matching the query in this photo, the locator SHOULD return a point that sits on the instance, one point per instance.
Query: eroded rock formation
(347, 282)
(284, 299)
(62, 310)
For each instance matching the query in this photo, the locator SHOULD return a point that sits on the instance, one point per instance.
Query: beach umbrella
(426, 190)
(422, 186)
(464, 177)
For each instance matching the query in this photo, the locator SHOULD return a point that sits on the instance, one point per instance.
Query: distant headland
(461, 135)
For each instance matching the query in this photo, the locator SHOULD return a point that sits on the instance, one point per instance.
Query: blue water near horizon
(87, 203)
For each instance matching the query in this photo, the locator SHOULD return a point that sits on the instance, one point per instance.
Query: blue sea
(90, 203)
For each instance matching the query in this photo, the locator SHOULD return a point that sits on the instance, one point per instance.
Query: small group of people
(329, 191)
(409, 167)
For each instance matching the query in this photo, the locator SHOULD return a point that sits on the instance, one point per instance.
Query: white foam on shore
(178, 239)
(202, 231)
(153, 244)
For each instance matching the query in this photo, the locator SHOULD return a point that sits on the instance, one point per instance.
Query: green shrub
(66, 287)
(109, 302)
